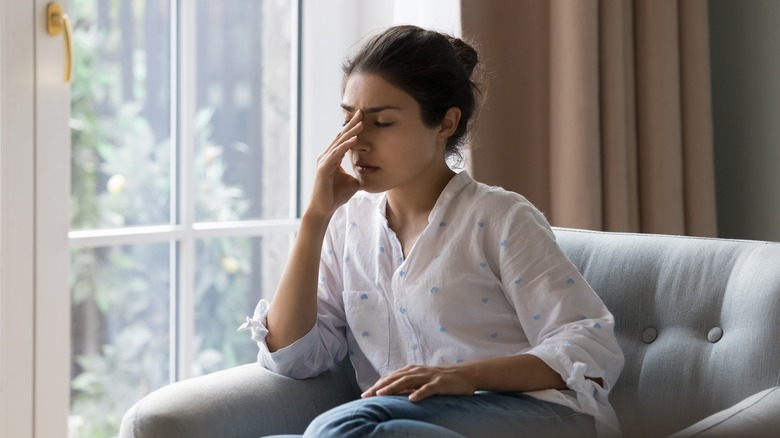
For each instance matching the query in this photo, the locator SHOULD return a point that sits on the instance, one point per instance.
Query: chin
(371, 188)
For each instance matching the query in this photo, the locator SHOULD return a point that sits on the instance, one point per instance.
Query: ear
(449, 124)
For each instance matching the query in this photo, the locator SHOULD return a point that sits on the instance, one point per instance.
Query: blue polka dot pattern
(483, 276)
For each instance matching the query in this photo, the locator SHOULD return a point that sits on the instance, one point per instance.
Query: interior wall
(746, 116)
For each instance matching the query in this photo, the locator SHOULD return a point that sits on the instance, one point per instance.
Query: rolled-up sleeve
(567, 324)
(323, 345)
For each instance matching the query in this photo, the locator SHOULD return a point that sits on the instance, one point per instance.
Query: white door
(34, 182)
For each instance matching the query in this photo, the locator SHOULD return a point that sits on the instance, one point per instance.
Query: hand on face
(333, 186)
(421, 382)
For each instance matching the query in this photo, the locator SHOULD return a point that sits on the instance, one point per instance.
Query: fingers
(334, 153)
(350, 129)
(402, 381)
(424, 392)
(421, 382)
(356, 118)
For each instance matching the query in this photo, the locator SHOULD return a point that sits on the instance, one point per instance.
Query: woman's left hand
(421, 382)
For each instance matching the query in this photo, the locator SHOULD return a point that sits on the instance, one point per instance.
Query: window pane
(120, 332)
(242, 144)
(233, 274)
(120, 113)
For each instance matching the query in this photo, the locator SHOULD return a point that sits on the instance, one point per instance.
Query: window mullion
(296, 44)
(184, 308)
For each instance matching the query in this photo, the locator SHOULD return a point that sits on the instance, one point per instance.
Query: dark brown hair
(434, 68)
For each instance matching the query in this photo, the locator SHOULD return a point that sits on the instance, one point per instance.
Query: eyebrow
(372, 110)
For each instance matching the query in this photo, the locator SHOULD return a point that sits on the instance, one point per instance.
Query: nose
(362, 144)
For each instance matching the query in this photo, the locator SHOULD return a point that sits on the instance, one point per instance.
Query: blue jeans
(481, 415)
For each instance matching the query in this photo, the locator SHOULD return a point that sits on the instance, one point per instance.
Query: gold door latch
(56, 23)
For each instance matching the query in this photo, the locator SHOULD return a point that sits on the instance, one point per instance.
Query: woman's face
(395, 148)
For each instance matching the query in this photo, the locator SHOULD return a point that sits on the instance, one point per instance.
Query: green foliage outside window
(121, 176)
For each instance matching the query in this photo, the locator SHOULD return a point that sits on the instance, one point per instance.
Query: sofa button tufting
(715, 334)
(649, 335)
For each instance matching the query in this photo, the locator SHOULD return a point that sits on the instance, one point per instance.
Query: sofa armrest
(755, 416)
(246, 401)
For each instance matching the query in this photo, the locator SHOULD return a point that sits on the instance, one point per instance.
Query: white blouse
(484, 279)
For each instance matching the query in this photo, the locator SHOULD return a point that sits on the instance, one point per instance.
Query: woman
(459, 312)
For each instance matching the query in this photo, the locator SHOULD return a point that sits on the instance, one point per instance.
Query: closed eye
(382, 125)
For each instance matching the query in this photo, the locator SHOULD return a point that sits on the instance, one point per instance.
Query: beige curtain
(598, 111)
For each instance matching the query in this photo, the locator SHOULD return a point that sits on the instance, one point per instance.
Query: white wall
(744, 38)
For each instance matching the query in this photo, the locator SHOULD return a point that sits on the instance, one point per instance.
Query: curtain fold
(598, 111)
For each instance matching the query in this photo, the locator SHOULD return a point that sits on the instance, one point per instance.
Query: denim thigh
(480, 415)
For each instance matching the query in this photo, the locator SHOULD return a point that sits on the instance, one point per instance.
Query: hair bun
(466, 54)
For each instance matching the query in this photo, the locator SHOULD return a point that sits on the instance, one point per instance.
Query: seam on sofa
(735, 413)
(664, 236)
(135, 418)
(134, 422)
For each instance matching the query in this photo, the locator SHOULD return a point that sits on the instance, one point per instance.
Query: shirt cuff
(592, 398)
(257, 323)
(288, 360)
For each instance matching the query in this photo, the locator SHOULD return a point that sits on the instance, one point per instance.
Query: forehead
(365, 90)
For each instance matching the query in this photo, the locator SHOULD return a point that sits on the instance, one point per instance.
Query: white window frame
(184, 232)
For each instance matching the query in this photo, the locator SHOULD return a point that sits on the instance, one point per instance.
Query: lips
(365, 168)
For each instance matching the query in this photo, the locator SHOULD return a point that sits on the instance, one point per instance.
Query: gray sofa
(698, 320)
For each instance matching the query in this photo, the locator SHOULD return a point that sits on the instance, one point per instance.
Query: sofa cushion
(758, 416)
(697, 320)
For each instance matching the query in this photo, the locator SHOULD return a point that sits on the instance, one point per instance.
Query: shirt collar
(451, 190)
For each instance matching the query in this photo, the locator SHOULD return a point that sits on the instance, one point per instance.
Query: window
(190, 157)
(183, 192)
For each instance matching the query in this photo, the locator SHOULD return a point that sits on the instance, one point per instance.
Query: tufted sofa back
(698, 321)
